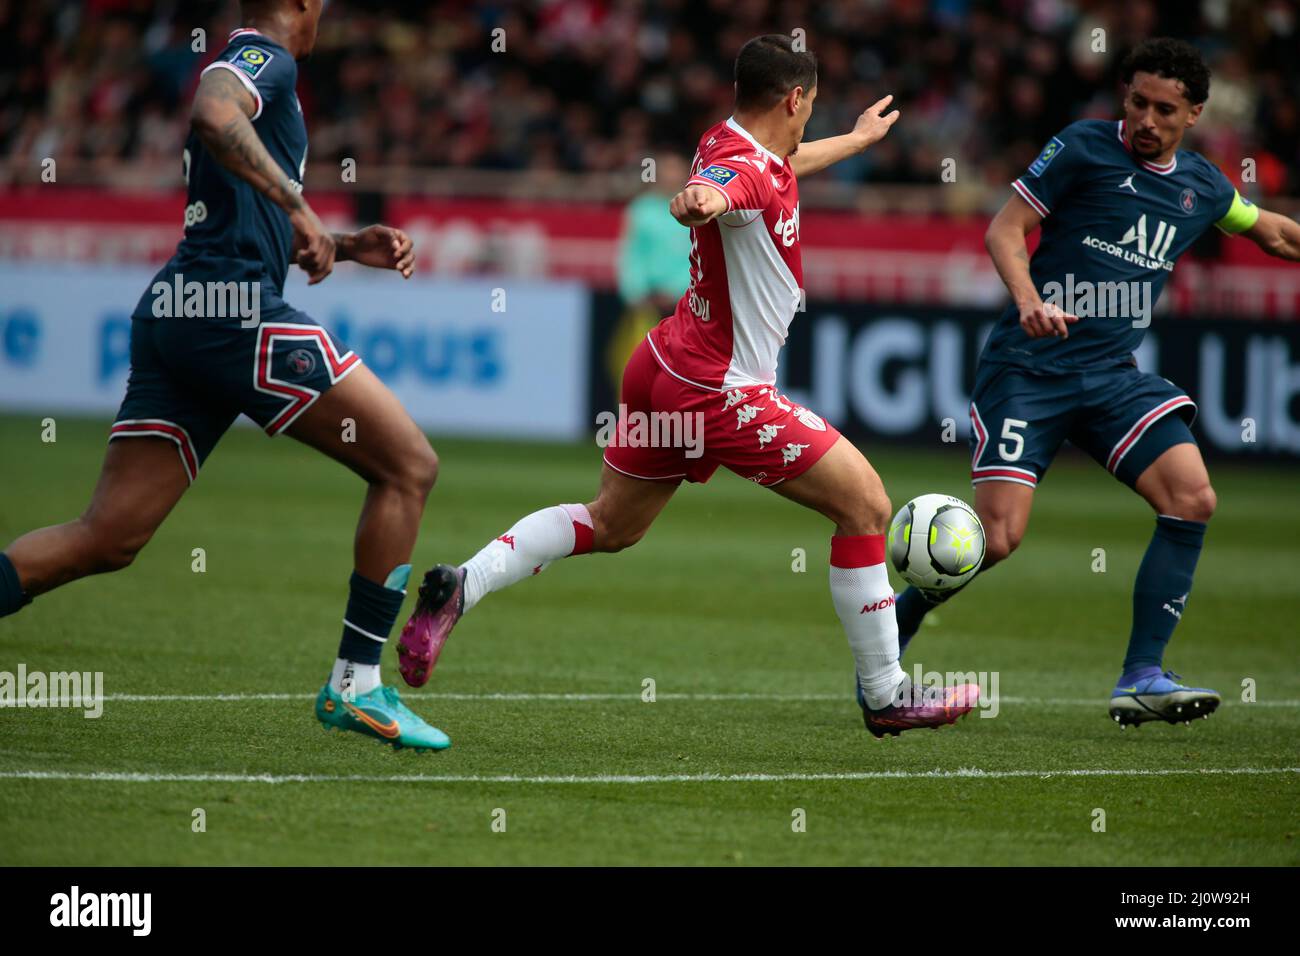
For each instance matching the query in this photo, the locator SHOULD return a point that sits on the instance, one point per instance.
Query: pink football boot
(440, 604)
(920, 707)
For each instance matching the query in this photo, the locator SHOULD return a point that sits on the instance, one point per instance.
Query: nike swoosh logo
(389, 730)
(1128, 690)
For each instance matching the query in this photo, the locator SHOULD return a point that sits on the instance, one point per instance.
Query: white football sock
(526, 549)
(365, 677)
(864, 600)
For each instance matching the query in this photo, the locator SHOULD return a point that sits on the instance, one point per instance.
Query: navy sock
(913, 605)
(1164, 580)
(910, 608)
(12, 597)
(372, 610)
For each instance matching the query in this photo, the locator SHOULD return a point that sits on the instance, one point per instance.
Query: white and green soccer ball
(936, 542)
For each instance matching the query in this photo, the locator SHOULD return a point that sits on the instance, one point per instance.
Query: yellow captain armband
(1242, 214)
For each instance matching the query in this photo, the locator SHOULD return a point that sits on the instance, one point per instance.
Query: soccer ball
(936, 542)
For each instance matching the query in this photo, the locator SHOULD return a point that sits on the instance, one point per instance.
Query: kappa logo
(746, 414)
(878, 605)
(766, 433)
(734, 397)
(791, 452)
(508, 539)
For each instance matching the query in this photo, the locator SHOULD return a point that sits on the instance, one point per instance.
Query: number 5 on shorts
(1009, 426)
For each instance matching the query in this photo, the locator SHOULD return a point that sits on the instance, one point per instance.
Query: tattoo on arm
(234, 143)
(342, 246)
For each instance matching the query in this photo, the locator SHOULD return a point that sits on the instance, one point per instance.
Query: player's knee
(618, 539)
(1000, 540)
(427, 467)
(610, 536)
(867, 512)
(416, 471)
(1194, 504)
(610, 533)
(111, 549)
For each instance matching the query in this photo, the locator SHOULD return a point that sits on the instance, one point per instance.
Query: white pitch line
(629, 698)
(962, 774)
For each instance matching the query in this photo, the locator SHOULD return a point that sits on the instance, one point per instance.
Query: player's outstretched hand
(383, 247)
(696, 205)
(313, 246)
(874, 122)
(1044, 319)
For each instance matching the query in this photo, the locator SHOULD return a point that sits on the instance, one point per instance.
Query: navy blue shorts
(1120, 416)
(191, 378)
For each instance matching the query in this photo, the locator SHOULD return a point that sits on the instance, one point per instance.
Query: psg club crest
(1188, 201)
(301, 363)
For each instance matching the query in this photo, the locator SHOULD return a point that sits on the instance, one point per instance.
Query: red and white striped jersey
(746, 270)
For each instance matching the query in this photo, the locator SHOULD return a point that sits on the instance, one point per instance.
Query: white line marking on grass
(969, 773)
(629, 698)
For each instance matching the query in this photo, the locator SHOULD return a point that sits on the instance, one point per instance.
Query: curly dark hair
(1172, 59)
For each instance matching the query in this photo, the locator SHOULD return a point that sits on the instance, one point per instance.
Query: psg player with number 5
(715, 358)
(1118, 202)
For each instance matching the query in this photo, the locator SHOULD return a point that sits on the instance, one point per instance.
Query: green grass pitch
(540, 688)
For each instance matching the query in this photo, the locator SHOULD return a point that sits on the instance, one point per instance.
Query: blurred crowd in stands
(597, 85)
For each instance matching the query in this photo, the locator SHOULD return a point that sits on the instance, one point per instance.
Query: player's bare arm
(871, 127)
(222, 118)
(697, 205)
(1276, 234)
(380, 247)
(1005, 241)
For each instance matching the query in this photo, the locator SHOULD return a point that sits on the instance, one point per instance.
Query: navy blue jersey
(232, 232)
(1113, 226)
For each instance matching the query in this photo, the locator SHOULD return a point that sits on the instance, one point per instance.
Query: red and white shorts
(669, 429)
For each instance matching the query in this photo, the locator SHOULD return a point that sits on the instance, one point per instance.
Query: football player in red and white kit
(714, 362)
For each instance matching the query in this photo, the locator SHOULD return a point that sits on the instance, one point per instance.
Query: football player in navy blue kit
(1118, 202)
(196, 367)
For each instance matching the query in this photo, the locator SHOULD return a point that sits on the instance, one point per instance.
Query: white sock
(365, 677)
(864, 600)
(527, 548)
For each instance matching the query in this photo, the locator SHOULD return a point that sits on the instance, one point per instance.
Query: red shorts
(669, 430)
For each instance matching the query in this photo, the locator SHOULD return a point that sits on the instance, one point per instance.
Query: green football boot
(379, 714)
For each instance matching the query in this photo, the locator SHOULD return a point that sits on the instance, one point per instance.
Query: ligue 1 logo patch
(301, 362)
(1188, 201)
(1046, 156)
(718, 174)
(252, 60)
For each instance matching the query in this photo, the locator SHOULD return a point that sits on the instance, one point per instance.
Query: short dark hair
(769, 67)
(1172, 59)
